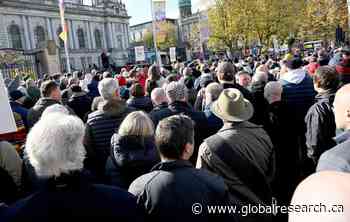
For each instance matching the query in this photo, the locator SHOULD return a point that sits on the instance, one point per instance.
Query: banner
(8, 123)
(140, 53)
(159, 17)
(172, 54)
(159, 10)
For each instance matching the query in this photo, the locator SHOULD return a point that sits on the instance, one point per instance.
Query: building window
(81, 38)
(98, 39)
(15, 37)
(60, 41)
(39, 33)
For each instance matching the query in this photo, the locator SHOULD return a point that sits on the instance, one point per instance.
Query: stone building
(194, 30)
(104, 24)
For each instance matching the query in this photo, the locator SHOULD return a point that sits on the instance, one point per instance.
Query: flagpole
(65, 30)
(158, 58)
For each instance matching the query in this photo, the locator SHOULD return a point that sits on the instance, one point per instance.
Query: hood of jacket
(295, 76)
(112, 107)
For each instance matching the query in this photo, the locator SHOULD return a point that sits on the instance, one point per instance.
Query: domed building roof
(185, 3)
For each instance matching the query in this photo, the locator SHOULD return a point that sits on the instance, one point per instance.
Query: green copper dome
(184, 3)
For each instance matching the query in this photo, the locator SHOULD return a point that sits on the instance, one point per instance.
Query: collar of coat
(172, 165)
(239, 125)
(112, 107)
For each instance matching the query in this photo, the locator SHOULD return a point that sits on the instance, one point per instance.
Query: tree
(166, 36)
(322, 17)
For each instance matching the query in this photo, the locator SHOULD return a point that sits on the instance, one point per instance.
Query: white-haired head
(158, 96)
(108, 88)
(273, 92)
(56, 108)
(55, 145)
(260, 77)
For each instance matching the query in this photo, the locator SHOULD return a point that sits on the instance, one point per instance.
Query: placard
(7, 120)
(140, 53)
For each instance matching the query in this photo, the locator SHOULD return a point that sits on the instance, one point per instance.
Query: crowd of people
(150, 142)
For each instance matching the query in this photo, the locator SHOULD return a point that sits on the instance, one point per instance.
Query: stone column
(26, 33)
(49, 29)
(4, 38)
(31, 33)
(92, 37)
(70, 34)
(109, 33)
(88, 35)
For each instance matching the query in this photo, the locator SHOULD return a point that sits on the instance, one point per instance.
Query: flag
(64, 34)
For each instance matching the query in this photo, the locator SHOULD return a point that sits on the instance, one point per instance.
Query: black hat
(16, 94)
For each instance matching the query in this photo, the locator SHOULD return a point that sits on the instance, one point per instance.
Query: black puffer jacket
(320, 124)
(100, 127)
(131, 157)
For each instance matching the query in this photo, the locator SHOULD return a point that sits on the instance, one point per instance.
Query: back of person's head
(136, 124)
(30, 83)
(48, 89)
(294, 63)
(76, 88)
(158, 96)
(56, 108)
(55, 145)
(137, 90)
(108, 88)
(326, 77)
(325, 196)
(173, 137)
(154, 72)
(73, 81)
(273, 91)
(176, 91)
(213, 90)
(226, 72)
(260, 77)
(106, 75)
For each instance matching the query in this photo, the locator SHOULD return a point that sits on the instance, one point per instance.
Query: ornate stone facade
(24, 24)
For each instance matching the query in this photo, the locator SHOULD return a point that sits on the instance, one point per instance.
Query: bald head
(342, 108)
(330, 191)
(158, 96)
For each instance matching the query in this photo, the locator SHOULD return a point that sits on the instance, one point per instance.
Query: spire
(185, 7)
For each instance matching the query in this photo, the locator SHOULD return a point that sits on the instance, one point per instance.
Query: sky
(140, 10)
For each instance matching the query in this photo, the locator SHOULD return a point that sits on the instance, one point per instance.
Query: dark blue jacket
(140, 103)
(73, 197)
(131, 157)
(93, 89)
(23, 112)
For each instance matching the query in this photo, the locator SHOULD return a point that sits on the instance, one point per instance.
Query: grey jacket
(10, 161)
(242, 153)
(337, 158)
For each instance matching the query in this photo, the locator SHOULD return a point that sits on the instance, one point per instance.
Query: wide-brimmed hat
(231, 106)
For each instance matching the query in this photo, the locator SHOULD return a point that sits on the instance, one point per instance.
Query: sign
(172, 53)
(8, 123)
(140, 53)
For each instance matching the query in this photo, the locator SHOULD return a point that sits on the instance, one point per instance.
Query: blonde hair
(137, 124)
